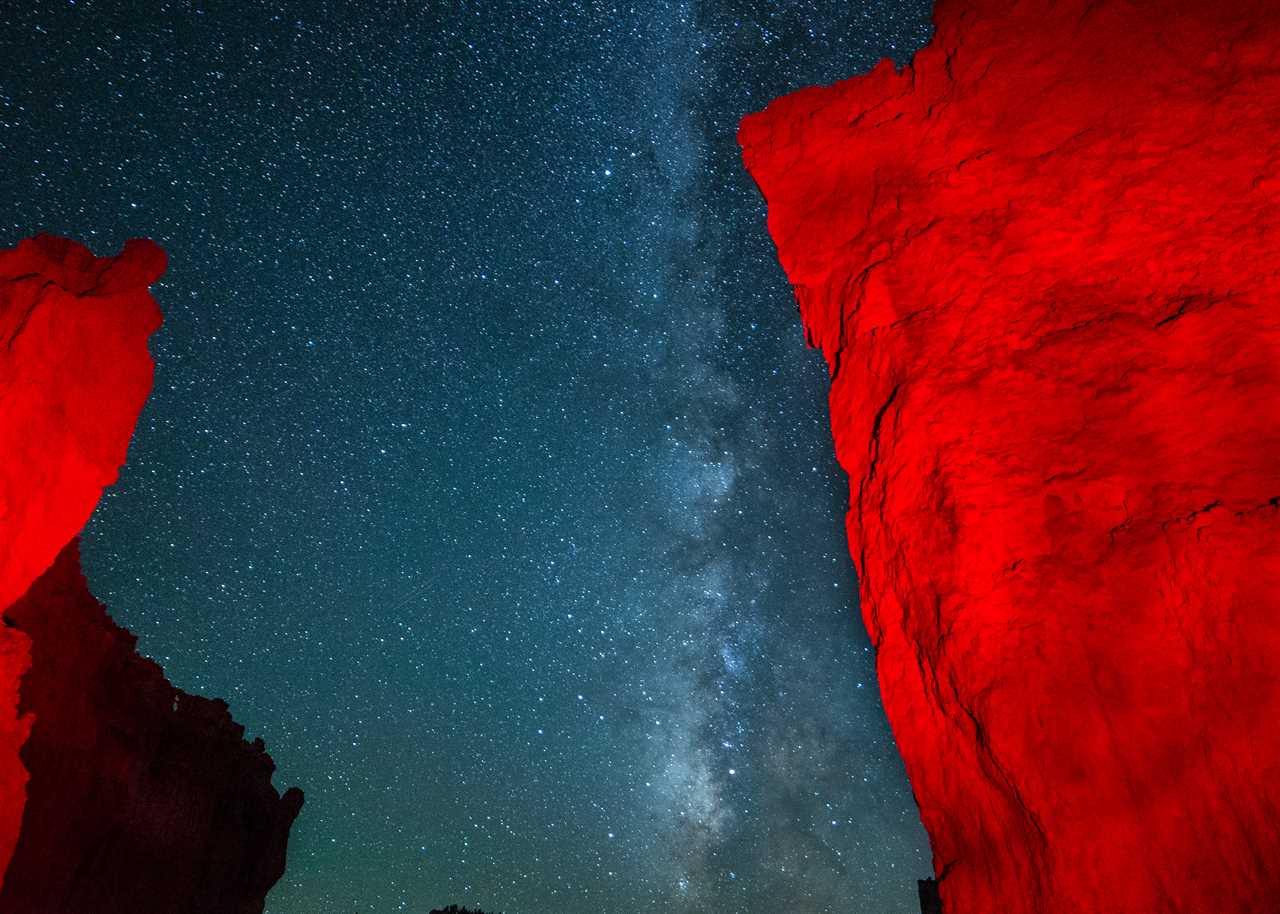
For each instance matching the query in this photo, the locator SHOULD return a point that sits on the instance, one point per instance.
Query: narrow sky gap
(486, 475)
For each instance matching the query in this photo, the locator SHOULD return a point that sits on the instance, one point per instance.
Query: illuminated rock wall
(1042, 264)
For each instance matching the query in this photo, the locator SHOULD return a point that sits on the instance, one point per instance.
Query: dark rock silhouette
(141, 797)
(1042, 264)
(930, 900)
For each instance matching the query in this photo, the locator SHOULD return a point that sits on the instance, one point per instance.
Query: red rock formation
(117, 793)
(141, 798)
(1042, 264)
(74, 373)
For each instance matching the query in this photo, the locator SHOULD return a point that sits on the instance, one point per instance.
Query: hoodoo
(1042, 262)
(118, 793)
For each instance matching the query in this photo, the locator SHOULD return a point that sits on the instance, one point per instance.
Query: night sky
(486, 474)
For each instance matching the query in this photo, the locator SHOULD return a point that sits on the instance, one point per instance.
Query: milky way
(486, 473)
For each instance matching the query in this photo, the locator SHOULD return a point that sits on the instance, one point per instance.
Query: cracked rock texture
(117, 792)
(1042, 264)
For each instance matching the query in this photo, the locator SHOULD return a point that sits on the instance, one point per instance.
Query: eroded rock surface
(1042, 264)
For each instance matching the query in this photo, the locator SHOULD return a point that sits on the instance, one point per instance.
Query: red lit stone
(74, 373)
(1042, 264)
(118, 793)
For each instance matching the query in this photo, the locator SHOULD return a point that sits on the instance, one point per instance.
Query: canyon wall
(1041, 262)
(118, 793)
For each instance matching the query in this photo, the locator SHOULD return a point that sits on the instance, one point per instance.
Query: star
(447, 435)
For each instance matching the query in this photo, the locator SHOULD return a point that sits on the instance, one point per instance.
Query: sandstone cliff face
(117, 792)
(1042, 264)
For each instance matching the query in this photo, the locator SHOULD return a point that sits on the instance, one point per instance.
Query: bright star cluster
(486, 474)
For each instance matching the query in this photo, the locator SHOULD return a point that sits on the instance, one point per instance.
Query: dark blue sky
(486, 474)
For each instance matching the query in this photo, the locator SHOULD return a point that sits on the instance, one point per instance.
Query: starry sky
(486, 474)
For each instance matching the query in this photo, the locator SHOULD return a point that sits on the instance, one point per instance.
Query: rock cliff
(117, 792)
(1041, 261)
